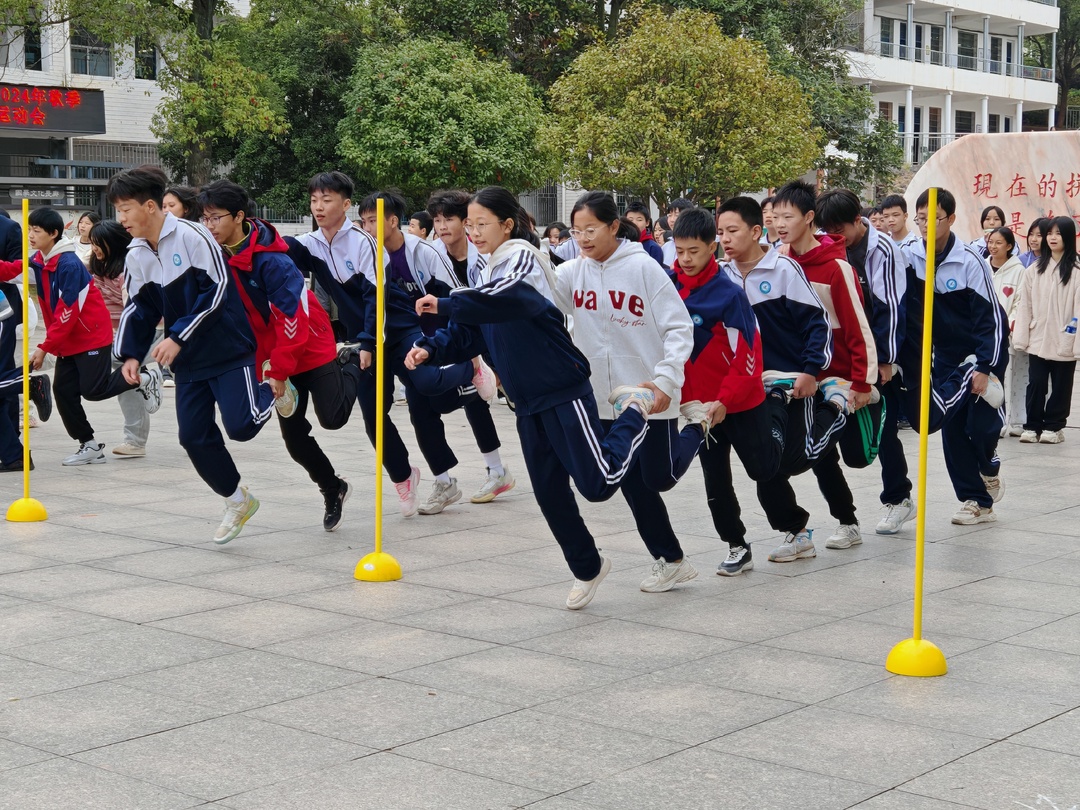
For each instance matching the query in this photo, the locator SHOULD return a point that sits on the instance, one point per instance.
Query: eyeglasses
(586, 235)
(211, 222)
(920, 221)
(476, 228)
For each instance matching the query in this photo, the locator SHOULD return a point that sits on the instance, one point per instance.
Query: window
(995, 123)
(995, 55)
(887, 37)
(937, 45)
(901, 118)
(32, 47)
(89, 55)
(967, 50)
(145, 59)
(884, 110)
(903, 40)
(965, 122)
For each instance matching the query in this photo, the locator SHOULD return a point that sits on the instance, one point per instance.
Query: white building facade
(940, 70)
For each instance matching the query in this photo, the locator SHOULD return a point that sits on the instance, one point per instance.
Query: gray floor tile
(91, 716)
(1025, 669)
(1017, 593)
(85, 547)
(779, 674)
(685, 712)
(377, 600)
(151, 602)
(513, 676)
(486, 578)
(13, 755)
(1061, 636)
(383, 781)
(1062, 571)
(269, 581)
(963, 618)
(378, 648)
(845, 745)
(242, 680)
(221, 757)
(729, 618)
(698, 778)
(509, 748)
(899, 800)
(22, 679)
(1061, 734)
(257, 624)
(497, 620)
(11, 561)
(381, 713)
(1005, 775)
(63, 580)
(175, 562)
(32, 623)
(60, 784)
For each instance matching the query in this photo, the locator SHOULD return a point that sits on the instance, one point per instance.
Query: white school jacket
(629, 321)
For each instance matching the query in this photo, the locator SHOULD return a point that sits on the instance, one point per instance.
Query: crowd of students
(788, 330)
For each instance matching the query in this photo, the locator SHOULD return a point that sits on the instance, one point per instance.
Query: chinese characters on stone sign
(1044, 186)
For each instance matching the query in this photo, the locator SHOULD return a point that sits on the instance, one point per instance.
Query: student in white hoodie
(632, 325)
(1008, 276)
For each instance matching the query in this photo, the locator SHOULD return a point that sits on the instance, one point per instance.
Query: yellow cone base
(27, 510)
(917, 658)
(378, 567)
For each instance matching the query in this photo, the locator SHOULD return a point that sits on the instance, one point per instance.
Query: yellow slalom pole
(377, 566)
(26, 509)
(916, 656)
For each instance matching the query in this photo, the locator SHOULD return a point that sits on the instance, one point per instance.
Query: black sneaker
(41, 395)
(16, 465)
(739, 559)
(332, 519)
(348, 353)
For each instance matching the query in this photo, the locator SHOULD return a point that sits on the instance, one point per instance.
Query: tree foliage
(1041, 52)
(707, 118)
(429, 113)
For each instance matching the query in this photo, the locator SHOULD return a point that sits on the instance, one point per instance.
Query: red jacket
(76, 318)
(854, 355)
(725, 364)
(291, 329)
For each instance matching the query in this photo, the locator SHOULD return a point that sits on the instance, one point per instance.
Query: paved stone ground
(143, 667)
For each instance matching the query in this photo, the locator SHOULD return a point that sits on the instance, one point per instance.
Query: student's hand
(661, 401)
(717, 412)
(429, 303)
(365, 360)
(277, 386)
(859, 400)
(979, 381)
(131, 371)
(166, 351)
(805, 386)
(885, 372)
(37, 358)
(416, 356)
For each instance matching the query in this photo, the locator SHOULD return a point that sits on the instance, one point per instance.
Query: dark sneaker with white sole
(739, 559)
(334, 501)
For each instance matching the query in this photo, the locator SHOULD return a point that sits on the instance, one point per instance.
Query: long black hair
(987, 210)
(1067, 228)
(505, 205)
(113, 241)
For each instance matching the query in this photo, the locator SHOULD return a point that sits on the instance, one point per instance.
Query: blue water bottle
(1070, 329)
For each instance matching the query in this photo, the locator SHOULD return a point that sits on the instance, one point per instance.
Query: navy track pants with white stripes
(245, 406)
(568, 442)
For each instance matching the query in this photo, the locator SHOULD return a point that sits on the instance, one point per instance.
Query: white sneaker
(34, 421)
(236, 515)
(494, 486)
(994, 394)
(666, 576)
(408, 499)
(286, 403)
(1015, 430)
(484, 381)
(782, 381)
(623, 396)
(696, 413)
(896, 515)
(88, 453)
(845, 536)
(995, 487)
(971, 513)
(794, 547)
(1029, 437)
(442, 495)
(582, 592)
(831, 387)
(1052, 437)
(151, 389)
(129, 449)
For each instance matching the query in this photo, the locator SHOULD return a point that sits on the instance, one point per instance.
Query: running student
(78, 331)
(629, 321)
(175, 270)
(419, 269)
(723, 374)
(882, 276)
(796, 344)
(545, 374)
(295, 352)
(970, 353)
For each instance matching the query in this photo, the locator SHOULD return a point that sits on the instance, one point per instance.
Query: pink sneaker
(484, 381)
(408, 498)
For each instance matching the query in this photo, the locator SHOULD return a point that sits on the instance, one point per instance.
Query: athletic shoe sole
(489, 497)
(720, 572)
(424, 510)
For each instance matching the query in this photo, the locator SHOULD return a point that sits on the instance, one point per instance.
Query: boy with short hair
(174, 270)
(78, 331)
(449, 208)
(638, 213)
(970, 354)
(674, 208)
(724, 374)
(894, 216)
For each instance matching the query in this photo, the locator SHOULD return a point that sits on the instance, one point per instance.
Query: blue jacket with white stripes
(883, 279)
(513, 313)
(185, 282)
(967, 316)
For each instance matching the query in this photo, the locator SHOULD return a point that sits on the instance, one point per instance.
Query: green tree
(429, 113)
(1040, 52)
(709, 118)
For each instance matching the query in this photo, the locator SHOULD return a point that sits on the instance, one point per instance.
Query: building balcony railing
(919, 146)
(976, 62)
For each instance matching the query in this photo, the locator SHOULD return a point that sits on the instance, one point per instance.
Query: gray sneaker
(896, 515)
(150, 388)
(88, 453)
(442, 495)
(666, 576)
(794, 547)
(845, 536)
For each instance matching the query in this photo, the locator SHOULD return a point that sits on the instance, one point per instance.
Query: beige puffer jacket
(1044, 312)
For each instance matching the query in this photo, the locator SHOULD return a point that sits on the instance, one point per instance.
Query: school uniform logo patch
(951, 284)
(697, 319)
(176, 259)
(765, 287)
(350, 265)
